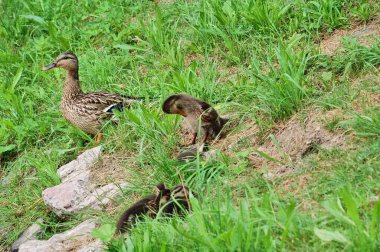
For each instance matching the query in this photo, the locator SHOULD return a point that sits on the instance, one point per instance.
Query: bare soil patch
(295, 184)
(367, 98)
(364, 33)
(77, 243)
(295, 140)
(238, 139)
(111, 168)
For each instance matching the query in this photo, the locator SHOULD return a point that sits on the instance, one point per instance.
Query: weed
(253, 59)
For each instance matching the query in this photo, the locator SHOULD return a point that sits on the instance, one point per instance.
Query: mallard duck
(87, 111)
(194, 110)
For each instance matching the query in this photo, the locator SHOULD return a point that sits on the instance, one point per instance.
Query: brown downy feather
(168, 201)
(147, 206)
(179, 202)
(194, 110)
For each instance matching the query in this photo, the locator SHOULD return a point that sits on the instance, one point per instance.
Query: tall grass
(255, 223)
(251, 58)
(281, 91)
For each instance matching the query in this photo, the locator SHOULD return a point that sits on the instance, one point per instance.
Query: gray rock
(77, 239)
(269, 176)
(5, 180)
(66, 198)
(96, 246)
(29, 234)
(80, 165)
(73, 196)
(77, 191)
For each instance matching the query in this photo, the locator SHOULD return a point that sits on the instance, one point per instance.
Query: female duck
(87, 111)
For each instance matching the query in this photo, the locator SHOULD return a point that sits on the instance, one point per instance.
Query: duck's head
(66, 60)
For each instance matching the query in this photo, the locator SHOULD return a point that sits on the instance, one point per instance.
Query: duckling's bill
(48, 67)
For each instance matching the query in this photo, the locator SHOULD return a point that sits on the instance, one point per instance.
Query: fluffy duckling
(147, 206)
(178, 202)
(194, 110)
(86, 111)
(175, 200)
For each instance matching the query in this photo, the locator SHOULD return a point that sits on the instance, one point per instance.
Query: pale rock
(66, 198)
(77, 191)
(77, 239)
(101, 196)
(29, 234)
(82, 164)
(269, 175)
(96, 246)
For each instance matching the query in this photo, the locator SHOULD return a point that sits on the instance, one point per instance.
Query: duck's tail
(147, 101)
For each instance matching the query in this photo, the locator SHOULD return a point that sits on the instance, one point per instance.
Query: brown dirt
(366, 98)
(78, 243)
(295, 184)
(189, 58)
(111, 169)
(237, 139)
(186, 135)
(364, 33)
(296, 139)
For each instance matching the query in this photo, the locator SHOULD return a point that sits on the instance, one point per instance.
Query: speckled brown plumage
(87, 111)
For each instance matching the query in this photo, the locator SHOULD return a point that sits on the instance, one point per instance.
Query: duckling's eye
(66, 57)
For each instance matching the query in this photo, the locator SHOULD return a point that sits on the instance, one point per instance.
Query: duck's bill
(48, 67)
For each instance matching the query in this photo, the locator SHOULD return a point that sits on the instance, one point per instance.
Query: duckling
(190, 154)
(175, 200)
(179, 201)
(147, 206)
(193, 110)
(86, 111)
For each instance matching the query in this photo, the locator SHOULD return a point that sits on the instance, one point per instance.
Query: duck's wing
(104, 102)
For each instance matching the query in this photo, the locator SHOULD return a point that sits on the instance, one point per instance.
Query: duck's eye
(66, 57)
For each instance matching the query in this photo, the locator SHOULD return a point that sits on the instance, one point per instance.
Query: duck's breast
(87, 122)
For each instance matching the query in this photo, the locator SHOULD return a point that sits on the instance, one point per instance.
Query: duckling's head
(66, 60)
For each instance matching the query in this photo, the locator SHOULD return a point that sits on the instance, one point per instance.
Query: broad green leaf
(16, 79)
(328, 236)
(352, 209)
(104, 233)
(334, 209)
(37, 19)
(7, 148)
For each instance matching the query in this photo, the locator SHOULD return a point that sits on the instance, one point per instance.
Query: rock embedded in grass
(80, 165)
(29, 234)
(77, 239)
(77, 191)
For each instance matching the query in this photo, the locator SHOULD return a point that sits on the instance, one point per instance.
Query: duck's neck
(72, 86)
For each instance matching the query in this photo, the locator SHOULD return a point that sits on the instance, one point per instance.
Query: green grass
(254, 60)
